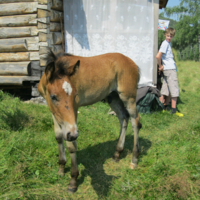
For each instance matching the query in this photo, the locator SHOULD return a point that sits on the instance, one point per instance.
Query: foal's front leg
(61, 147)
(72, 148)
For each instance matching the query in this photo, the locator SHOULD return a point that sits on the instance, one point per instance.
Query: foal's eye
(54, 97)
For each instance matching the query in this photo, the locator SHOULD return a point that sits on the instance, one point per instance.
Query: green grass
(169, 163)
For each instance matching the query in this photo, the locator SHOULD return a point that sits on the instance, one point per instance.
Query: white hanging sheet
(94, 27)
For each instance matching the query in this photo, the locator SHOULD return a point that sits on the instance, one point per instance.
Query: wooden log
(42, 37)
(43, 13)
(43, 60)
(55, 16)
(35, 68)
(43, 1)
(57, 48)
(43, 50)
(55, 27)
(57, 5)
(19, 44)
(19, 56)
(45, 20)
(14, 32)
(13, 45)
(14, 68)
(32, 43)
(42, 25)
(44, 7)
(62, 33)
(13, 57)
(57, 38)
(18, 8)
(17, 80)
(14, 1)
(34, 56)
(43, 44)
(18, 20)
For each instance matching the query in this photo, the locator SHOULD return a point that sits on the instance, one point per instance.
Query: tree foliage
(187, 27)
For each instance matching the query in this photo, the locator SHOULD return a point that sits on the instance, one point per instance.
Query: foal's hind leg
(117, 105)
(61, 147)
(130, 104)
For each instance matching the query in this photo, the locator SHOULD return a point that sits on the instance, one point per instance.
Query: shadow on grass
(15, 119)
(94, 157)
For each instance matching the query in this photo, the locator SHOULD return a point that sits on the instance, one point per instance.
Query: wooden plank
(18, 8)
(17, 80)
(14, 1)
(13, 57)
(13, 45)
(57, 5)
(55, 27)
(43, 13)
(18, 20)
(55, 16)
(14, 68)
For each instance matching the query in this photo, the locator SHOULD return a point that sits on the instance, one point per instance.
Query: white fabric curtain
(94, 27)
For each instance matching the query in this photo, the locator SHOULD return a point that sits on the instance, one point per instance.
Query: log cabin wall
(27, 29)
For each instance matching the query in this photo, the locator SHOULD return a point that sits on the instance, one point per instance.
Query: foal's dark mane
(52, 57)
(56, 65)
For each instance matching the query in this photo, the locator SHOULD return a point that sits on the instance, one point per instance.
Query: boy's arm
(158, 57)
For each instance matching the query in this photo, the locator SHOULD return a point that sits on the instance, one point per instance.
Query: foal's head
(60, 94)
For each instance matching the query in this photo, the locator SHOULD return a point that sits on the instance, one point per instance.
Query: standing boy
(167, 64)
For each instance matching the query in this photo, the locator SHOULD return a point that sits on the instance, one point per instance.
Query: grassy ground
(169, 164)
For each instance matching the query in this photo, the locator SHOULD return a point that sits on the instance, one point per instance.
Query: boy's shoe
(174, 111)
(166, 108)
(179, 114)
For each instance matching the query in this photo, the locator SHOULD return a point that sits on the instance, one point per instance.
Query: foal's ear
(74, 69)
(49, 70)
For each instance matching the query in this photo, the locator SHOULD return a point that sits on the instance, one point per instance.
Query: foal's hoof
(133, 165)
(71, 190)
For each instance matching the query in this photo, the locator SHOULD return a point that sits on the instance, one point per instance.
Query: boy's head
(169, 34)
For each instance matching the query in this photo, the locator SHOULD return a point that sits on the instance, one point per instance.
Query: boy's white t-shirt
(167, 56)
